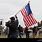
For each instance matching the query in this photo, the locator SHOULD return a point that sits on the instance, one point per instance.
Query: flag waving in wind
(28, 18)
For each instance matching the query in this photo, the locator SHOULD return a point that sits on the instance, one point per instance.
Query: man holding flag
(27, 15)
(13, 27)
(28, 18)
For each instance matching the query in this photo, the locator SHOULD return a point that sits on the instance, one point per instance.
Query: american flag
(28, 18)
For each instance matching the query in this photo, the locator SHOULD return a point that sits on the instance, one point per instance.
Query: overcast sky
(9, 8)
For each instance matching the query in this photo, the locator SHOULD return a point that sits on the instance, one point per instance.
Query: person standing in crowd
(20, 29)
(26, 32)
(34, 31)
(13, 27)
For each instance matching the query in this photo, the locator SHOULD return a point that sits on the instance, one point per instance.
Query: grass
(39, 36)
(3, 36)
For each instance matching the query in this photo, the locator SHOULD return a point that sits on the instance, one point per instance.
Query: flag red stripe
(25, 19)
(25, 22)
(24, 15)
(28, 19)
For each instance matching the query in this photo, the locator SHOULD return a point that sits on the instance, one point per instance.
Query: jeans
(13, 35)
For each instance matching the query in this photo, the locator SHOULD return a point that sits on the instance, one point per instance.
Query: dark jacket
(12, 26)
(20, 29)
(26, 30)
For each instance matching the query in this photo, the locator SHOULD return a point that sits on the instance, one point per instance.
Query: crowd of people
(15, 29)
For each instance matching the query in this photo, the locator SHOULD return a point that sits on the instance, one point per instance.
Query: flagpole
(28, 1)
(21, 8)
(17, 12)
